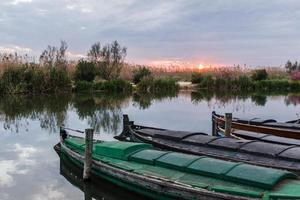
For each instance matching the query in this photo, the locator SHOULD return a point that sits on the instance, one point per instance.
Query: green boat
(169, 175)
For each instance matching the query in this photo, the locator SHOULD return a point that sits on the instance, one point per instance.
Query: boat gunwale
(149, 139)
(177, 188)
(283, 132)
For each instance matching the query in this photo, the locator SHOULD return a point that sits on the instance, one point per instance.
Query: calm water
(31, 169)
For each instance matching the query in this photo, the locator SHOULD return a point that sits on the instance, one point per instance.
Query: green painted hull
(168, 175)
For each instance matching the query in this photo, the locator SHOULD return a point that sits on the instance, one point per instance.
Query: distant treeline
(101, 70)
(104, 70)
(236, 80)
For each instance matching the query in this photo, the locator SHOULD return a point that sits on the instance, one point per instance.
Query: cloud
(252, 32)
(15, 48)
(20, 165)
(16, 2)
(48, 192)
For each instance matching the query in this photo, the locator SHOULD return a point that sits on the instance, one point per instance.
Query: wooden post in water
(88, 153)
(213, 128)
(228, 121)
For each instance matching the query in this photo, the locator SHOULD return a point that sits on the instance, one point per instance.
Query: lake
(31, 169)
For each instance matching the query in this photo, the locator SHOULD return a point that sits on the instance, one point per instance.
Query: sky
(191, 32)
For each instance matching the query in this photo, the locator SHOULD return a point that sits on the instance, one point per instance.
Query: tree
(259, 75)
(140, 73)
(94, 54)
(109, 59)
(53, 56)
(85, 71)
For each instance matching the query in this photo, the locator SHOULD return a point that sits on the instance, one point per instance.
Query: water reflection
(29, 168)
(96, 188)
(144, 101)
(259, 99)
(103, 112)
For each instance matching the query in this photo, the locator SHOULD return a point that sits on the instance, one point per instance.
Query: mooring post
(88, 153)
(228, 121)
(214, 128)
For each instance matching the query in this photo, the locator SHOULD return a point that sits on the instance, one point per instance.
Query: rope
(70, 129)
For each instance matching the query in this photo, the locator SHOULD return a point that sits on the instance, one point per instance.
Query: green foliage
(114, 86)
(117, 85)
(109, 59)
(291, 67)
(259, 75)
(83, 86)
(85, 71)
(151, 85)
(207, 81)
(196, 77)
(140, 73)
(32, 79)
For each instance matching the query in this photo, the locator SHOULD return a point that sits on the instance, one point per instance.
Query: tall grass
(157, 85)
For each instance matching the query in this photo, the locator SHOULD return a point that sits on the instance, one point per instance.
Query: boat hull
(276, 155)
(289, 130)
(151, 187)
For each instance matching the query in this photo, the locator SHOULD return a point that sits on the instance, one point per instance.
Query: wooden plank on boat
(227, 143)
(254, 121)
(264, 148)
(292, 153)
(283, 125)
(168, 134)
(290, 130)
(266, 138)
(199, 139)
(249, 135)
(281, 140)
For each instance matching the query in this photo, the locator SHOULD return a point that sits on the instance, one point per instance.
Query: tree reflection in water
(103, 112)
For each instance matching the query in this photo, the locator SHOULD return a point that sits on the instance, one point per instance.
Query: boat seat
(281, 140)
(292, 153)
(75, 143)
(168, 134)
(199, 139)
(176, 160)
(119, 150)
(249, 134)
(254, 121)
(283, 125)
(211, 167)
(263, 148)
(228, 143)
(147, 156)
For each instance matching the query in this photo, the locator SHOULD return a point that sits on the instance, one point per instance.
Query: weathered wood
(88, 153)
(153, 183)
(289, 133)
(223, 148)
(213, 128)
(228, 122)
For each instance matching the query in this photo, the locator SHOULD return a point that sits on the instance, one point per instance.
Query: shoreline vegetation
(104, 70)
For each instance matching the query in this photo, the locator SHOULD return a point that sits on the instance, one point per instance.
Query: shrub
(151, 85)
(207, 81)
(58, 79)
(85, 71)
(259, 75)
(81, 86)
(295, 76)
(117, 85)
(196, 77)
(140, 73)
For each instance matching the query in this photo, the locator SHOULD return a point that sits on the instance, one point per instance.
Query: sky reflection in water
(30, 168)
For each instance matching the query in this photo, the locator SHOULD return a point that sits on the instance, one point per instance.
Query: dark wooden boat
(96, 188)
(170, 175)
(250, 151)
(290, 129)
